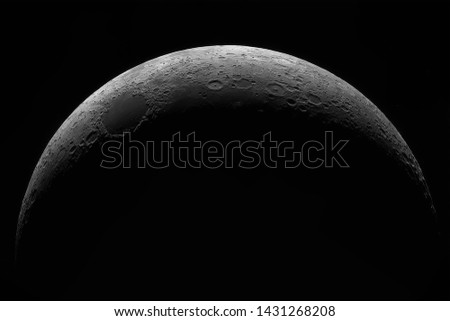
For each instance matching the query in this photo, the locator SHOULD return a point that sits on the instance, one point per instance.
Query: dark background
(54, 55)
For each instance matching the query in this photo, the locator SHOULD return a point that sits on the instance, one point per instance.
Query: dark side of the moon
(227, 170)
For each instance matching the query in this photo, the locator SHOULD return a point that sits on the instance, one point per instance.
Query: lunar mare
(227, 90)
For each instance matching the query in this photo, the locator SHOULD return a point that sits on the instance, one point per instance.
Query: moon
(366, 231)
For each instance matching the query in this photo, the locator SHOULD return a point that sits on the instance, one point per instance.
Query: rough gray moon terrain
(363, 232)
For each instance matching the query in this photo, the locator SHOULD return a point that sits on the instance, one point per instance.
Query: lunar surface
(362, 232)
